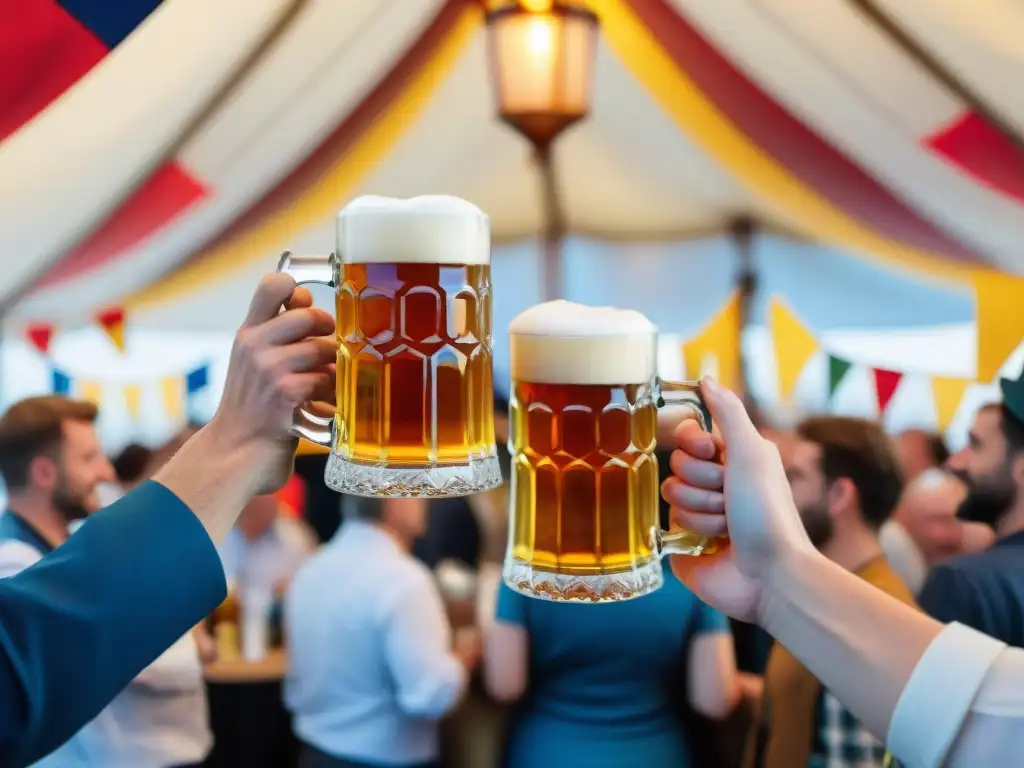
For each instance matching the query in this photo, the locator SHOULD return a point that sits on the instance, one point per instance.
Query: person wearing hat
(985, 590)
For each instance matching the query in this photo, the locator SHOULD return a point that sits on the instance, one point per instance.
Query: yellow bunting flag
(947, 391)
(90, 390)
(794, 345)
(720, 339)
(133, 399)
(172, 390)
(999, 300)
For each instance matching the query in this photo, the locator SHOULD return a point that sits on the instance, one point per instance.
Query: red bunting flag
(886, 383)
(112, 321)
(40, 335)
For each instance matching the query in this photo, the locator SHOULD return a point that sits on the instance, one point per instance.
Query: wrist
(782, 583)
(262, 465)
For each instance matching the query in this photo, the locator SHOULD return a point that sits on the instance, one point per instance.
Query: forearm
(95, 612)
(214, 477)
(860, 643)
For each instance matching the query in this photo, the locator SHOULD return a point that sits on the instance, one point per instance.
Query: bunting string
(795, 345)
(178, 393)
(110, 320)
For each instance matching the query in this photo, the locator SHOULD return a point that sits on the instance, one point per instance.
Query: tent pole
(552, 285)
(742, 231)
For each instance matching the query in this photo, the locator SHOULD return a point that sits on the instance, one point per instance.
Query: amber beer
(584, 522)
(415, 401)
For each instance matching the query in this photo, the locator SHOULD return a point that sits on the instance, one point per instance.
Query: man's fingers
(309, 354)
(695, 441)
(325, 409)
(295, 325)
(323, 396)
(730, 414)
(273, 291)
(696, 472)
(678, 494)
(301, 388)
(699, 523)
(301, 298)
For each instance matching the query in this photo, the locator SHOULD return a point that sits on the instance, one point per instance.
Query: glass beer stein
(415, 402)
(584, 408)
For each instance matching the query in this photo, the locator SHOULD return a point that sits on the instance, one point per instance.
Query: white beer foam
(430, 229)
(560, 342)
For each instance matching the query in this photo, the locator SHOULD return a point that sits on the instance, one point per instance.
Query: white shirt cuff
(939, 694)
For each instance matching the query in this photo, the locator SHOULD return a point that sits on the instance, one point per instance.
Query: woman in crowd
(599, 684)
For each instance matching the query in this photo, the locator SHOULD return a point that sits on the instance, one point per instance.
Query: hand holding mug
(280, 361)
(746, 497)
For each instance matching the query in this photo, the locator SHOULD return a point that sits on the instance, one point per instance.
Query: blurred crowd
(404, 648)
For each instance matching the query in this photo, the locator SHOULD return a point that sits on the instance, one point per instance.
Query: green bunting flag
(837, 369)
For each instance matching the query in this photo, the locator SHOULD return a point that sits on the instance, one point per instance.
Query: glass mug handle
(682, 542)
(324, 271)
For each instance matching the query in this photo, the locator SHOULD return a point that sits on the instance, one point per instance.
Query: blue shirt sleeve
(709, 620)
(512, 606)
(76, 627)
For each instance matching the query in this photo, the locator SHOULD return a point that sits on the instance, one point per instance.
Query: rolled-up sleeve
(429, 680)
(940, 705)
(78, 625)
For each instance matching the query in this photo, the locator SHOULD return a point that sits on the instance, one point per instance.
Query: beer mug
(415, 392)
(584, 409)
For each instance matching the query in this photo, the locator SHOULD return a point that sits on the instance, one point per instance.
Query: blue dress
(604, 680)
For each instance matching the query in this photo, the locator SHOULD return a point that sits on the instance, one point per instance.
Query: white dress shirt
(269, 559)
(963, 706)
(370, 672)
(159, 720)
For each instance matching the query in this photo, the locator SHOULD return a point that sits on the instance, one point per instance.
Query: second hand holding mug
(585, 398)
(415, 393)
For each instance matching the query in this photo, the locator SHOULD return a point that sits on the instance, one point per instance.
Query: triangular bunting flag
(886, 383)
(90, 390)
(947, 392)
(999, 304)
(61, 382)
(197, 380)
(133, 399)
(720, 339)
(39, 336)
(794, 345)
(173, 395)
(837, 370)
(112, 321)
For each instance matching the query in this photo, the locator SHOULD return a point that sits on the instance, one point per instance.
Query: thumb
(729, 413)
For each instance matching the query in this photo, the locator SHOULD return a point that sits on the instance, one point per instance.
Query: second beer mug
(584, 522)
(415, 391)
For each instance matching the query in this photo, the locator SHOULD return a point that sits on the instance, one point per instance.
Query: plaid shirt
(842, 741)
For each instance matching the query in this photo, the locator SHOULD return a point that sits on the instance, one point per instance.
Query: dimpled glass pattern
(584, 494)
(415, 387)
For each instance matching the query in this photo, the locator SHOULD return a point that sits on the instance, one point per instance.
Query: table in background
(250, 724)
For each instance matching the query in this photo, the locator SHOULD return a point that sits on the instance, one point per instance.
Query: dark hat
(1013, 396)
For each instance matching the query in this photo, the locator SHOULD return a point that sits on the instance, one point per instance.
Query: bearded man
(985, 590)
(52, 463)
